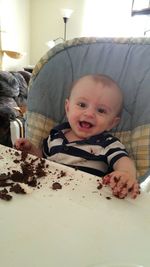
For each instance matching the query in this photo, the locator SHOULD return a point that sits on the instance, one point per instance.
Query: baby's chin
(83, 135)
(78, 136)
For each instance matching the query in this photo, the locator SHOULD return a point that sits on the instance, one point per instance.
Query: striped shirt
(95, 155)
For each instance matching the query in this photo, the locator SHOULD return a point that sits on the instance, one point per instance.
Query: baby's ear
(67, 105)
(114, 123)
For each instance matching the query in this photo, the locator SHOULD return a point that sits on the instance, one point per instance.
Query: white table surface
(74, 226)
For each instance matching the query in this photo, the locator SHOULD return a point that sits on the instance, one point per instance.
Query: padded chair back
(127, 61)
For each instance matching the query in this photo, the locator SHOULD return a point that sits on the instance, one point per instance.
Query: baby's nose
(90, 112)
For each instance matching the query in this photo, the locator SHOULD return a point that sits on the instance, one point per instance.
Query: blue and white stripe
(95, 155)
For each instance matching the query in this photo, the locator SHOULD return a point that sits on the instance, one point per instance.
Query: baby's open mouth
(85, 124)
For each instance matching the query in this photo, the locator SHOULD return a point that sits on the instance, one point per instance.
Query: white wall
(15, 20)
(47, 23)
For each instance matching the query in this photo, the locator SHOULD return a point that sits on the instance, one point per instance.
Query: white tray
(74, 226)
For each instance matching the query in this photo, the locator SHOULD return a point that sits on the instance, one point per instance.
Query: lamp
(66, 15)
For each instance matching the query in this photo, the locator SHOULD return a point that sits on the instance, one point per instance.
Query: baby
(92, 109)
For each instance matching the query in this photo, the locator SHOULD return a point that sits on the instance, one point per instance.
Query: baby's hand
(122, 184)
(23, 145)
(26, 146)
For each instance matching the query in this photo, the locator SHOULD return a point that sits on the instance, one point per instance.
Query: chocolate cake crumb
(17, 189)
(16, 153)
(99, 186)
(39, 169)
(5, 184)
(5, 191)
(16, 160)
(62, 173)
(108, 198)
(56, 186)
(4, 195)
(3, 176)
(24, 155)
(33, 183)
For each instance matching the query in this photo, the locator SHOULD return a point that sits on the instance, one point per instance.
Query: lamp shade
(66, 13)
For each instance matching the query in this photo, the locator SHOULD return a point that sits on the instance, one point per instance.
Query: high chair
(127, 61)
(17, 129)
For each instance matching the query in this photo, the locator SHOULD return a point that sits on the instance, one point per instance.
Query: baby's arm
(25, 145)
(123, 179)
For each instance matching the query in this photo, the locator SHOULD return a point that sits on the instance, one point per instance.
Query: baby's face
(92, 108)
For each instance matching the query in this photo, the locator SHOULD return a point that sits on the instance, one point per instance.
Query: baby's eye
(82, 104)
(101, 110)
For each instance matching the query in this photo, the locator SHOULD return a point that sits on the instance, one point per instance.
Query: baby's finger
(20, 145)
(124, 189)
(134, 190)
(120, 194)
(120, 191)
(115, 181)
(106, 179)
